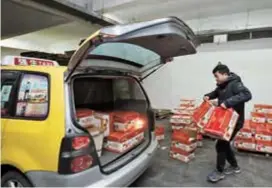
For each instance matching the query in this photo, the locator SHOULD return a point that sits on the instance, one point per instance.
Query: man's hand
(206, 98)
(223, 106)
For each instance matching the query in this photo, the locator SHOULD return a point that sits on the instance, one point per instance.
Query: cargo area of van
(114, 111)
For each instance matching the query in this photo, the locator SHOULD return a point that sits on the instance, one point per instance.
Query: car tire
(14, 178)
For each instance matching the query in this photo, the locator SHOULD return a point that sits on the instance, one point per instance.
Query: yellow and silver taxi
(42, 142)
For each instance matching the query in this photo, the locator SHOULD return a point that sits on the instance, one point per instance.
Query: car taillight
(81, 163)
(77, 153)
(80, 142)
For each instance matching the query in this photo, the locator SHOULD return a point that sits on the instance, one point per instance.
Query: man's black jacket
(233, 94)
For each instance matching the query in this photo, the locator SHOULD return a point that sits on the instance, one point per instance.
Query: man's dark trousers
(224, 152)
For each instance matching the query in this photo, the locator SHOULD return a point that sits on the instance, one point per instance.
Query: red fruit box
(203, 113)
(184, 137)
(263, 108)
(179, 111)
(246, 131)
(181, 155)
(184, 140)
(264, 146)
(159, 132)
(120, 142)
(269, 118)
(254, 126)
(258, 117)
(187, 101)
(92, 119)
(181, 119)
(84, 116)
(187, 107)
(176, 127)
(221, 124)
(263, 132)
(245, 144)
(124, 121)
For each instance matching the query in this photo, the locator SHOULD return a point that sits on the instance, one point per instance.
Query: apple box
(203, 113)
(221, 124)
(181, 155)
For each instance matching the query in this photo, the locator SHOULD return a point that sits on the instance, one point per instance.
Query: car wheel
(14, 179)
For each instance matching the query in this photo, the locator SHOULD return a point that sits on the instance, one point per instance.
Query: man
(231, 93)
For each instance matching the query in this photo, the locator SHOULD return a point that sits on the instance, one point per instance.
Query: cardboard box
(181, 119)
(120, 142)
(187, 107)
(186, 147)
(184, 109)
(84, 116)
(124, 121)
(245, 144)
(253, 126)
(258, 117)
(106, 119)
(263, 108)
(159, 132)
(264, 146)
(246, 131)
(178, 111)
(181, 155)
(183, 137)
(263, 133)
(221, 124)
(202, 114)
(269, 118)
(187, 101)
(94, 122)
(176, 127)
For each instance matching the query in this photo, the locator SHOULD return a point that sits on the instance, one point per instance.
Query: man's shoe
(232, 170)
(215, 176)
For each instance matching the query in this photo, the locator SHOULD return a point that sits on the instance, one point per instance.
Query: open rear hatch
(141, 46)
(107, 100)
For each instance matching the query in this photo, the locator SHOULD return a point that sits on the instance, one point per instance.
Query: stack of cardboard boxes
(256, 135)
(182, 116)
(128, 131)
(118, 131)
(185, 134)
(98, 124)
(183, 145)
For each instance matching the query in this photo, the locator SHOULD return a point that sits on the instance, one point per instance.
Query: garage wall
(191, 76)
(10, 51)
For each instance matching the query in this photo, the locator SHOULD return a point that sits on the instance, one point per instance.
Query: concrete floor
(167, 172)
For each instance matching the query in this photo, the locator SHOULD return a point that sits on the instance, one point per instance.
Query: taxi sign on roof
(27, 61)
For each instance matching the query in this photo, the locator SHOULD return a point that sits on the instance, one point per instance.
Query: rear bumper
(94, 178)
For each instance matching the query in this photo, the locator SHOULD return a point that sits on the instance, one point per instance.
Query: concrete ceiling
(57, 39)
(139, 10)
(18, 19)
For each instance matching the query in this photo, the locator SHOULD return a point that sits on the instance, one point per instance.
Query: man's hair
(223, 69)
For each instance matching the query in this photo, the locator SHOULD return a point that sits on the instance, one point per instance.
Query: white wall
(10, 51)
(191, 76)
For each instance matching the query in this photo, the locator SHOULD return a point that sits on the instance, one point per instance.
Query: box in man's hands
(221, 123)
(203, 113)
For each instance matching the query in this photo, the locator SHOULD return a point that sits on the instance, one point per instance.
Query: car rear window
(32, 100)
(129, 52)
